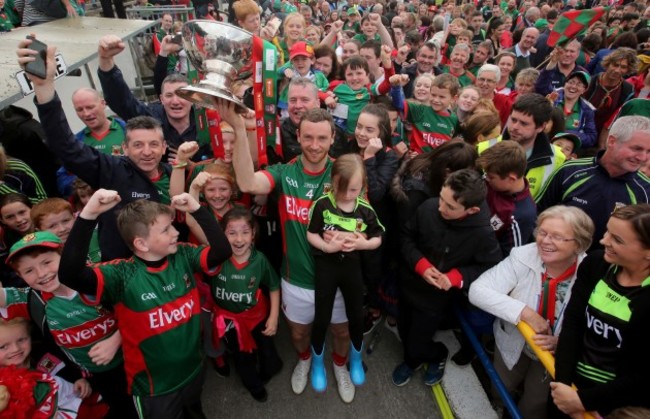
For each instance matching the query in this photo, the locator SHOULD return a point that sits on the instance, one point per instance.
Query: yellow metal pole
(544, 356)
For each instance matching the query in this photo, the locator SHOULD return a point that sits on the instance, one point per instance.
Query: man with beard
(530, 114)
(299, 183)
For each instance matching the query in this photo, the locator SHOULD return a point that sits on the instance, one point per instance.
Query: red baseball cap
(301, 48)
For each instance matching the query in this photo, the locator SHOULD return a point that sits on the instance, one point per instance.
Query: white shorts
(299, 307)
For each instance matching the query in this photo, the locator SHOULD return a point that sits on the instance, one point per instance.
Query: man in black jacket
(136, 175)
(174, 113)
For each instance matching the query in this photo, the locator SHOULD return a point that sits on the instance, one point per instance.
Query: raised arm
(116, 92)
(160, 68)
(73, 270)
(381, 30)
(82, 160)
(331, 37)
(248, 179)
(220, 249)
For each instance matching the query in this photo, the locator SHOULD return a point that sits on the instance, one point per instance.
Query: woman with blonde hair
(293, 29)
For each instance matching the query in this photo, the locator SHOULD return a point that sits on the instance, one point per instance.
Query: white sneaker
(344, 383)
(300, 375)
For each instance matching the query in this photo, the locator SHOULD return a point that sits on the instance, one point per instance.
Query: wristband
(251, 129)
(179, 165)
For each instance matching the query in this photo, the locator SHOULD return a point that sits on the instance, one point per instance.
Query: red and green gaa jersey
(14, 305)
(430, 129)
(75, 323)
(162, 185)
(110, 143)
(464, 79)
(158, 316)
(235, 285)
(298, 189)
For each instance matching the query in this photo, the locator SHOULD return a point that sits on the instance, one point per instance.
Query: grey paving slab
(378, 398)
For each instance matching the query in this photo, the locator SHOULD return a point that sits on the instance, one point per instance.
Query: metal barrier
(489, 368)
(178, 12)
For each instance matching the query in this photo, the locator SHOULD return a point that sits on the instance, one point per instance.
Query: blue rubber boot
(357, 374)
(318, 374)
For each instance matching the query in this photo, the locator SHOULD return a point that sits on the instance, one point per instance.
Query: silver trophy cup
(223, 54)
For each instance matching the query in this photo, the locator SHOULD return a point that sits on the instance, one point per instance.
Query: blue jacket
(98, 170)
(586, 130)
(553, 79)
(595, 66)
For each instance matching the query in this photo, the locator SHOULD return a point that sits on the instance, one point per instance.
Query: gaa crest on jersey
(327, 188)
(188, 283)
(251, 283)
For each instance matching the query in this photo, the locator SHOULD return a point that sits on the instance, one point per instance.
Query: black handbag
(52, 8)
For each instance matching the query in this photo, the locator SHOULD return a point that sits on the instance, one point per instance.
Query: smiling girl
(294, 31)
(243, 316)
(15, 210)
(341, 224)
(373, 135)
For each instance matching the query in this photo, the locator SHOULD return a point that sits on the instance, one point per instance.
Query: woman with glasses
(603, 347)
(533, 284)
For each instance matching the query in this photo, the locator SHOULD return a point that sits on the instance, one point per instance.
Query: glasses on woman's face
(555, 238)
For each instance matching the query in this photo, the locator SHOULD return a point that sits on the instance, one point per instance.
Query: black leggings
(111, 385)
(416, 329)
(246, 363)
(332, 272)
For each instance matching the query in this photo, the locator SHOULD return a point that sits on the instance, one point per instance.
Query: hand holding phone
(38, 67)
(177, 39)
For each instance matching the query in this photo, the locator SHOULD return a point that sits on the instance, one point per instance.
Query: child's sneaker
(434, 373)
(402, 374)
(300, 375)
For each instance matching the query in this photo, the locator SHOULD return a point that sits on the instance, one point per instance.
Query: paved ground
(227, 398)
